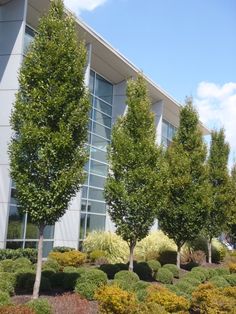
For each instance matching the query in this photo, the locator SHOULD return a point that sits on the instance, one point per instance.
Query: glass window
(47, 247)
(103, 89)
(99, 142)
(96, 207)
(28, 38)
(102, 118)
(101, 130)
(96, 181)
(95, 222)
(13, 196)
(96, 194)
(82, 225)
(14, 244)
(48, 232)
(83, 205)
(84, 192)
(164, 129)
(98, 168)
(98, 154)
(102, 106)
(91, 81)
(16, 223)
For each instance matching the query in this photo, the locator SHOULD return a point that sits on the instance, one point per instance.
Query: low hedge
(164, 275)
(29, 253)
(52, 264)
(173, 268)
(185, 287)
(7, 265)
(110, 270)
(219, 282)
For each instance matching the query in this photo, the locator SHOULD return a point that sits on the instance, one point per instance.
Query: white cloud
(83, 5)
(217, 108)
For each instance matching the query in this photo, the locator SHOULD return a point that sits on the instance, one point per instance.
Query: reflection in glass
(96, 181)
(16, 223)
(99, 142)
(82, 225)
(95, 222)
(96, 194)
(102, 118)
(102, 106)
(14, 245)
(98, 168)
(101, 130)
(103, 89)
(96, 207)
(98, 154)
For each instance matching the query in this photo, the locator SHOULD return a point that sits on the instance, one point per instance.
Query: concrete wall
(12, 28)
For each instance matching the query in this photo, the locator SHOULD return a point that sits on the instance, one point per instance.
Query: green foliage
(116, 249)
(96, 254)
(127, 276)
(173, 268)
(154, 265)
(22, 262)
(110, 270)
(197, 275)
(25, 281)
(50, 118)
(140, 288)
(143, 270)
(222, 271)
(40, 306)
(231, 279)
(62, 249)
(4, 298)
(204, 270)
(187, 208)
(48, 272)
(86, 290)
(31, 254)
(70, 269)
(185, 287)
(52, 264)
(57, 280)
(7, 265)
(134, 187)
(220, 184)
(7, 282)
(219, 281)
(191, 280)
(153, 245)
(69, 258)
(164, 276)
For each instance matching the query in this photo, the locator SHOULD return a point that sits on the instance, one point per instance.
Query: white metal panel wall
(12, 28)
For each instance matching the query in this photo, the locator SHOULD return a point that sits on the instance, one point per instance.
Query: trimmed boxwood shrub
(86, 290)
(70, 269)
(7, 265)
(22, 262)
(143, 270)
(7, 283)
(63, 249)
(69, 281)
(127, 276)
(110, 270)
(29, 253)
(57, 280)
(205, 271)
(173, 268)
(52, 264)
(185, 287)
(167, 257)
(191, 280)
(219, 282)
(231, 279)
(122, 266)
(212, 273)
(48, 272)
(164, 275)
(222, 271)
(40, 306)
(198, 275)
(175, 289)
(4, 298)
(154, 265)
(140, 288)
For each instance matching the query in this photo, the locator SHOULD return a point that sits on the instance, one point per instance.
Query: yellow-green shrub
(232, 267)
(97, 254)
(72, 258)
(208, 299)
(115, 248)
(114, 300)
(152, 245)
(167, 299)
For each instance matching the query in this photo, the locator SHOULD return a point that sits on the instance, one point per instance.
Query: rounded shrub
(25, 280)
(48, 272)
(71, 258)
(198, 275)
(154, 265)
(212, 273)
(86, 290)
(7, 265)
(204, 270)
(185, 287)
(70, 269)
(219, 282)
(40, 306)
(110, 270)
(191, 280)
(164, 275)
(178, 292)
(22, 262)
(150, 308)
(143, 270)
(4, 298)
(173, 268)
(52, 264)
(167, 257)
(7, 283)
(222, 271)
(127, 276)
(231, 279)
(140, 288)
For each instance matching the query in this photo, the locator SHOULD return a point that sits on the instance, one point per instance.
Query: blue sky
(188, 47)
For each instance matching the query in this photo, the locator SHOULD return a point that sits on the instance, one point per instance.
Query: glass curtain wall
(93, 206)
(168, 132)
(22, 233)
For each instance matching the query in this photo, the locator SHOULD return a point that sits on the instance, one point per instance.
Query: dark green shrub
(110, 270)
(7, 265)
(143, 270)
(173, 268)
(57, 280)
(40, 306)
(164, 275)
(219, 282)
(222, 271)
(69, 281)
(86, 290)
(231, 279)
(52, 264)
(185, 287)
(154, 265)
(127, 276)
(22, 262)
(4, 298)
(29, 253)
(167, 257)
(189, 266)
(25, 280)
(7, 283)
(47, 272)
(122, 266)
(62, 249)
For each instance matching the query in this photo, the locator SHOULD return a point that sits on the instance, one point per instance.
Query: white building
(106, 74)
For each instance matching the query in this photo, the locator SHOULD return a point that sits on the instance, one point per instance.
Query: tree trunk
(209, 250)
(131, 257)
(178, 256)
(39, 264)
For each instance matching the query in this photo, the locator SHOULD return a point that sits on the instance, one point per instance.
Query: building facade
(106, 75)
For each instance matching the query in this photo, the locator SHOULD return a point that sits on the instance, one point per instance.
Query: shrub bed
(164, 276)
(71, 258)
(31, 254)
(173, 268)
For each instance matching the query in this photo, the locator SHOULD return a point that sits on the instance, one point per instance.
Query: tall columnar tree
(188, 202)
(220, 187)
(135, 186)
(50, 120)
